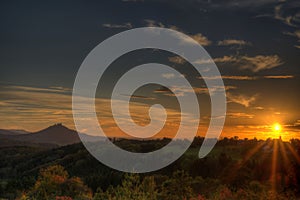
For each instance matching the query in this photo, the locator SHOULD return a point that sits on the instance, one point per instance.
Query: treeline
(235, 169)
(54, 183)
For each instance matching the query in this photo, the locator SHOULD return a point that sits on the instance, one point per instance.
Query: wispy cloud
(249, 78)
(153, 23)
(258, 108)
(239, 77)
(230, 77)
(241, 99)
(285, 13)
(236, 115)
(203, 61)
(255, 63)
(33, 108)
(179, 90)
(260, 62)
(177, 60)
(183, 90)
(280, 77)
(226, 59)
(125, 25)
(140, 97)
(295, 34)
(288, 20)
(52, 89)
(229, 42)
(199, 37)
(168, 76)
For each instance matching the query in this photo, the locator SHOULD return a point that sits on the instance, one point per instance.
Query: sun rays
(283, 157)
(273, 176)
(276, 159)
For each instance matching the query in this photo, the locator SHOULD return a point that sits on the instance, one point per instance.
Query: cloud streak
(295, 34)
(237, 115)
(231, 78)
(198, 37)
(177, 60)
(254, 64)
(280, 77)
(288, 20)
(168, 76)
(243, 100)
(201, 39)
(260, 62)
(249, 78)
(230, 42)
(183, 90)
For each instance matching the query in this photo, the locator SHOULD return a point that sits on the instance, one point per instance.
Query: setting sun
(276, 127)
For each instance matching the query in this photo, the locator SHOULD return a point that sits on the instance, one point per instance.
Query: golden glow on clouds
(255, 64)
(241, 99)
(199, 37)
(33, 109)
(233, 42)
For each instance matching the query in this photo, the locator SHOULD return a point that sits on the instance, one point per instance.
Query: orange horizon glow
(56, 107)
(250, 132)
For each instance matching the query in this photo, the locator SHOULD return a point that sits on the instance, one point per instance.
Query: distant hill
(12, 132)
(57, 135)
(19, 132)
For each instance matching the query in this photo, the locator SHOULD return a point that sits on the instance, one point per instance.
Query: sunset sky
(254, 43)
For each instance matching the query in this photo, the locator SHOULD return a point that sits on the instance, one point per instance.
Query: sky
(254, 43)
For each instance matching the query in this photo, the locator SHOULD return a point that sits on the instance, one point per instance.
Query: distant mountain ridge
(12, 132)
(56, 134)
